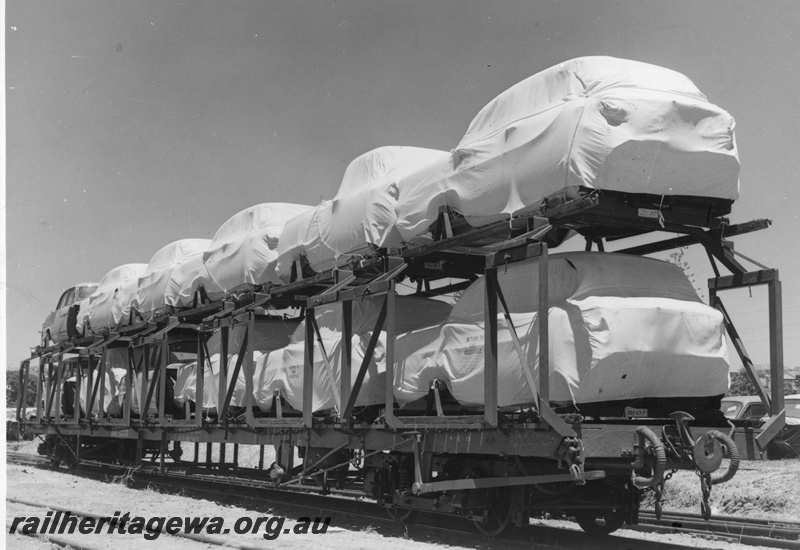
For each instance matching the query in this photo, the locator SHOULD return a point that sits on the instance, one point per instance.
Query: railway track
(752, 532)
(354, 513)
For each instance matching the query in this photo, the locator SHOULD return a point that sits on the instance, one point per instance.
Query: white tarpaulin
(270, 334)
(169, 276)
(114, 382)
(245, 249)
(595, 122)
(621, 327)
(110, 303)
(283, 369)
(137, 398)
(362, 214)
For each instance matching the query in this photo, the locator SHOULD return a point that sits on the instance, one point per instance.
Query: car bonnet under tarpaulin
(171, 271)
(362, 214)
(620, 327)
(110, 303)
(270, 334)
(283, 369)
(592, 122)
(245, 248)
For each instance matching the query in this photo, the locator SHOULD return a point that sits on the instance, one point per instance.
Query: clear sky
(131, 124)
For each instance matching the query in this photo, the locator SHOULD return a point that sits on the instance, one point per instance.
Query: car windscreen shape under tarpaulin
(360, 217)
(168, 279)
(283, 369)
(621, 329)
(589, 123)
(244, 249)
(109, 306)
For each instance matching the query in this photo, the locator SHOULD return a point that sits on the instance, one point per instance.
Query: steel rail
(740, 530)
(361, 514)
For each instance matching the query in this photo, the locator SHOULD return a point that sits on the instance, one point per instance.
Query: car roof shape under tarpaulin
(109, 306)
(244, 249)
(588, 123)
(169, 276)
(360, 217)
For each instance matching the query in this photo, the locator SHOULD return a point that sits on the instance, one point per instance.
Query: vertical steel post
(200, 370)
(50, 396)
(776, 344)
(222, 384)
(102, 376)
(162, 380)
(249, 371)
(59, 371)
(145, 385)
(91, 389)
(39, 387)
(308, 370)
(131, 371)
(490, 347)
(23, 390)
(345, 377)
(390, 336)
(544, 328)
(76, 370)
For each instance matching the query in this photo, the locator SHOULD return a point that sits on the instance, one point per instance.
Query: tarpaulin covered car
(624, 331)
(109, 305)
(168, 279)
(589, 123)
(270, 334)
(360, 217)
(592, 123)
(244, 249)
(282, 369)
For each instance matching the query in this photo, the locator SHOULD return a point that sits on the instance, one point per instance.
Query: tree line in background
(13, 387)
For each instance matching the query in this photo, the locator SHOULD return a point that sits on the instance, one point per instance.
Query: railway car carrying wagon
(567, 384)
(492, 460)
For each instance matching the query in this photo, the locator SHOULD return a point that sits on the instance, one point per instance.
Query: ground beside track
(61, 489)
(760, 489)
(765, 489)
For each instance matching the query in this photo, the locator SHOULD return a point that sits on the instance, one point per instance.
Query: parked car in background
(750, 407)
(792, 405)
(62, 323)
(743, 407)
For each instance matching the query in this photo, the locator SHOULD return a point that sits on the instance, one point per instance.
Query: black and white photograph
(353, 274)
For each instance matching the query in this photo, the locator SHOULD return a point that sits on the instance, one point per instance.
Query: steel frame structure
(480, 251)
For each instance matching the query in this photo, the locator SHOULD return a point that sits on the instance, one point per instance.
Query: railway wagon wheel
(402, 515)
(600, 521)
(500, 509)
